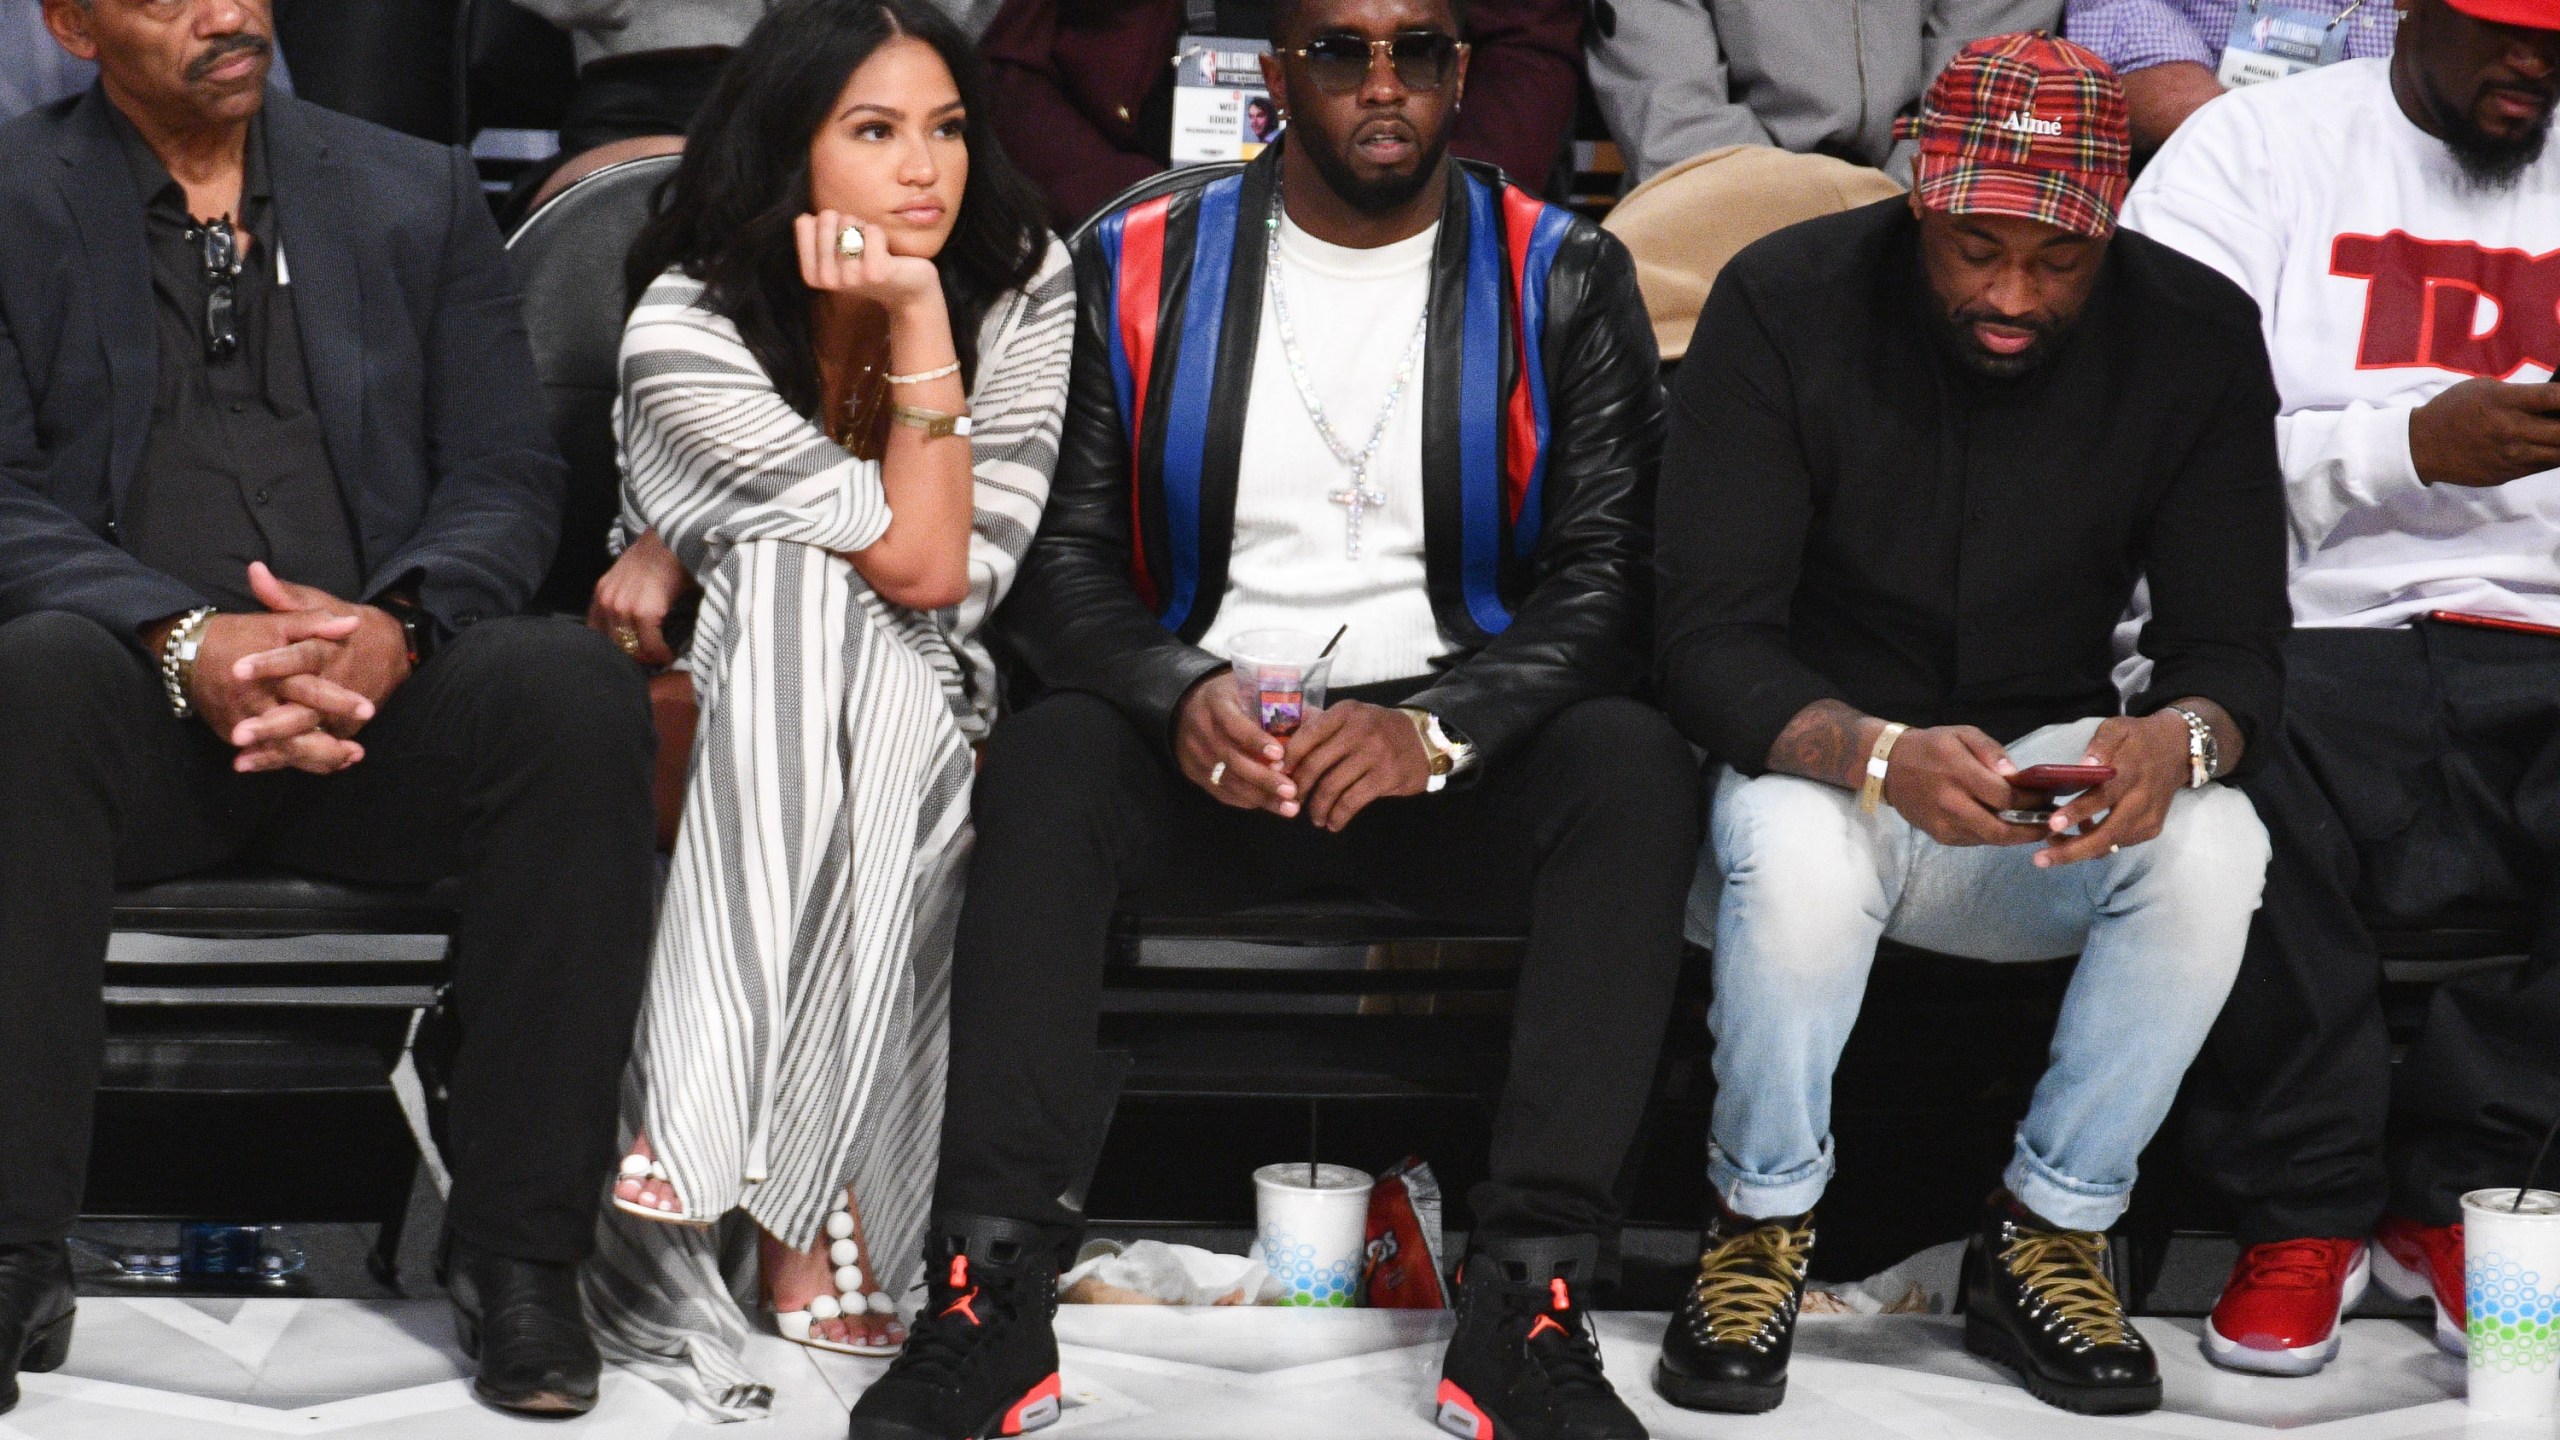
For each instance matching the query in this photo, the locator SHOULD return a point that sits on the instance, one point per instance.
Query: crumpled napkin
(1151, 1272)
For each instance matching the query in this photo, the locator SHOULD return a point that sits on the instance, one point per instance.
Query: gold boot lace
(1751, 1279)
(2065, 1271)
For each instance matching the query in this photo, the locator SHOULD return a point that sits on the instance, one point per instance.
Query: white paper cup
(2511, 1285)
(1280, 677)
(1313, 1237)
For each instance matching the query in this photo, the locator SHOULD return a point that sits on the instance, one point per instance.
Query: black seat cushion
(568, 257)
(255, 900)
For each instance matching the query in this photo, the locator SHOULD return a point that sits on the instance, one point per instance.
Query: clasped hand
(1345, 756)
(1951, 783)
(291, 688)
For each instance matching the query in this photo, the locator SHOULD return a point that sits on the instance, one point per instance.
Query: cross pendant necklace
(1359, 496)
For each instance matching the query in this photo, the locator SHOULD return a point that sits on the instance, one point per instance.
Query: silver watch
(2204, 753)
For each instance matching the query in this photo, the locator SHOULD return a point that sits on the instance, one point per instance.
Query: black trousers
(519, 757)
(1588, 835)
(2418, 768)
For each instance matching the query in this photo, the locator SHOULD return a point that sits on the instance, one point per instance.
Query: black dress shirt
(235, 468)
(1847, 512)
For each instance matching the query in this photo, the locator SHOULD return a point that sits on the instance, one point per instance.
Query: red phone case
(2054, 778)
(2493, 622)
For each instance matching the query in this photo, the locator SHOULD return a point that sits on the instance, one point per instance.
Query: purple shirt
(2135, 35)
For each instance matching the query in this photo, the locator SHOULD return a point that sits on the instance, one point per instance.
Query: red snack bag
(1403, 1272)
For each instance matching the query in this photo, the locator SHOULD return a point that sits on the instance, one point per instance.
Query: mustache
(223, 49)
(2044, 326)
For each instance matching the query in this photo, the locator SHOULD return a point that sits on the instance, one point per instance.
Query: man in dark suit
(274, 482)
(1086, 87)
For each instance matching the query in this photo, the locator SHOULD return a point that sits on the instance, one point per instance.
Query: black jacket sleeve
(2215, 551)
(1737, 504)
(492, 518)
(1074, 617)
(49, 560)
(1580, 632)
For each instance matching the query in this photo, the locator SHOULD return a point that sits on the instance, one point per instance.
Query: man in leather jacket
(1475, 505)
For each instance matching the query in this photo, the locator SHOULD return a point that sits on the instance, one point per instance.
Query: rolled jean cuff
(2061, 1200)
(1762, 1197)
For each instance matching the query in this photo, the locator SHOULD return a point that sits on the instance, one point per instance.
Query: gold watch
(934, 423)
(1448, 754)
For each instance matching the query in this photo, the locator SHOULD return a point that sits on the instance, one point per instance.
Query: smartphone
(2492, 622)
(2051, 780)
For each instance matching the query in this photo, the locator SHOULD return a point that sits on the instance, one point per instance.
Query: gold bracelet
(922, 376)
(1877, 761)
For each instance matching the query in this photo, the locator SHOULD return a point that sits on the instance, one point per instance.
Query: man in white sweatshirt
(2398, 222)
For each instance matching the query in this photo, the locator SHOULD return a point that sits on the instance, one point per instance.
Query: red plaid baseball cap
(2531, 14)
(2028, 125)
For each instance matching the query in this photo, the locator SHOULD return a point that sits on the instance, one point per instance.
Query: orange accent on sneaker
(1545, 1324)
(1458, 1414)
(1563, 1298)
(967, 1304)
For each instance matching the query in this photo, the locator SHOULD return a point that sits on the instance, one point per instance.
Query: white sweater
(2367, 251)
(1355, 312)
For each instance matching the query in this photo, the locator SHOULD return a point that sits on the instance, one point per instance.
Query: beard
(2490, 163)
(1955, 331)
(1371, 194)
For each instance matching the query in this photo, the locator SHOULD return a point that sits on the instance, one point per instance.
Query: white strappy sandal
(800, 1326)
(636, 1166)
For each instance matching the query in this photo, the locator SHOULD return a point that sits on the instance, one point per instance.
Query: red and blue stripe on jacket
(1503, 430)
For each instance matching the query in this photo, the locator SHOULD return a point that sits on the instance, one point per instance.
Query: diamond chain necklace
(1359, 496)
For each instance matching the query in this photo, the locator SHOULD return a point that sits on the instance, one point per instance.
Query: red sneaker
(2414, 1262)
(2280, 1309)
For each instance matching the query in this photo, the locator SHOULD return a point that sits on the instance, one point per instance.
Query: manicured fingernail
(1288, 791)
(1290, 810)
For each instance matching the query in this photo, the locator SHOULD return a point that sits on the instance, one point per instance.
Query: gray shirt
(235, 467)
(1676, 78)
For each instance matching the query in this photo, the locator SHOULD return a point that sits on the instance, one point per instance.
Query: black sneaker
(1524, 1364)
(2038, 1300)
(981, 1359)
(1727, 1348)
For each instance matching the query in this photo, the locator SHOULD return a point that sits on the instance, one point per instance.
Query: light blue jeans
(1799, 884)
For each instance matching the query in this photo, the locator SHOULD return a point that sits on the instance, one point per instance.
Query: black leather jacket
(1539, 555)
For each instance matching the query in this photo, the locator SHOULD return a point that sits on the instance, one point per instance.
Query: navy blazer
(411, 329)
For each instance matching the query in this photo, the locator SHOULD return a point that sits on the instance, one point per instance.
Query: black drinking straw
(2536, 1172)
(1313, 1114)
(1336, 640)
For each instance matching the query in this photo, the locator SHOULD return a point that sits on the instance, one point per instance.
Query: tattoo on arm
(1827, 741)
(2228, 742)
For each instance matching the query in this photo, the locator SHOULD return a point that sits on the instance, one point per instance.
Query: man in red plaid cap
(1919, 455)
(2398, 223)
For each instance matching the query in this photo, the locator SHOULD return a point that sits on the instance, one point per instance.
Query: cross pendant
(1356, 500)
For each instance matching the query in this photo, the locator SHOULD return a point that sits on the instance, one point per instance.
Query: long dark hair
(724, 218)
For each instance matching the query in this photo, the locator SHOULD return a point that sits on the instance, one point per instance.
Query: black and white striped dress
(793, 1040)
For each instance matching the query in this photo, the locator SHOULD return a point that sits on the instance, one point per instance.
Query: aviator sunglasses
(1340, 63)
(219, 249)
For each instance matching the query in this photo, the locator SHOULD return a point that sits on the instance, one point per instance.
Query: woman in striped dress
(842, 266)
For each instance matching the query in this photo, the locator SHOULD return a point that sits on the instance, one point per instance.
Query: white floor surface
(173, 1369)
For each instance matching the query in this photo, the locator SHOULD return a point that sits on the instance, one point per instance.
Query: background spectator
(1677, 78)
(1087, 87)
(34, 70)
(2170, 52)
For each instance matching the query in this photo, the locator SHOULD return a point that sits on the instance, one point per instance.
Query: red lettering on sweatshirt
(2423, 304)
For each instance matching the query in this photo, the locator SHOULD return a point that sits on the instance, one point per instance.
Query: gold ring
(849, 242)
(628, 639)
